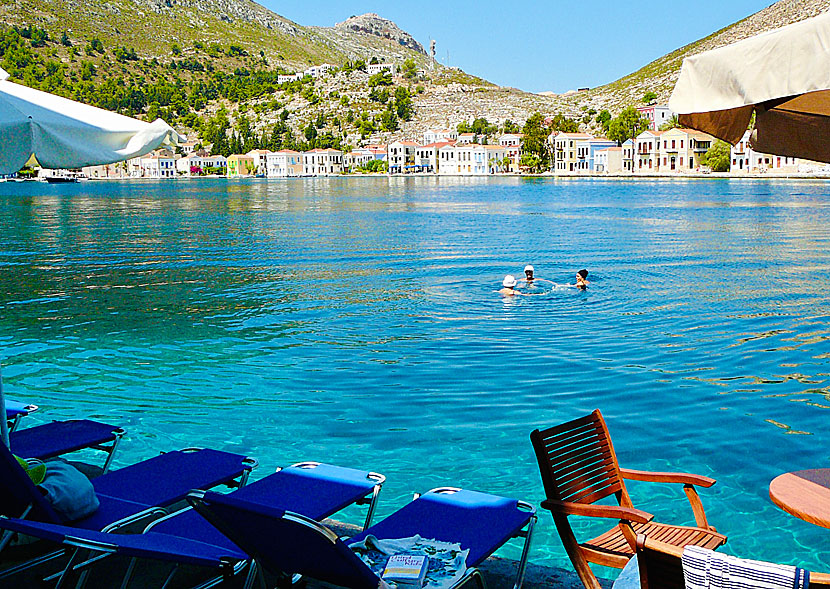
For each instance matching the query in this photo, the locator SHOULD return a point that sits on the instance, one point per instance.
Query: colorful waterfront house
(427, 157)
(401, 157)
(190, 165)
(158, 164)
(323, 162)
(497, 160)
(240, 166)
(566, 154)
(657, 115)
(285, 163)
(465, 138)
(594, 145)
(260, 157)
(682, 149)
(439, 136)
(214, 165)
(448, 160)
(647, 151)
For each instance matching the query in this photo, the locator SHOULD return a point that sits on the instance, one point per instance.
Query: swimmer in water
(530, 280)
(582, 279)
(509, 284)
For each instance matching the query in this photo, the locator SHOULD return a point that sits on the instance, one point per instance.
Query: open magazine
(447, 562)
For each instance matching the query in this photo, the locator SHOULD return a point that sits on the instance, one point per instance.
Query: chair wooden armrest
(667, 477)
(687, 480)
(593, 510)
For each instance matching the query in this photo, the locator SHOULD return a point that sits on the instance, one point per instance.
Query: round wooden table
(804, 494)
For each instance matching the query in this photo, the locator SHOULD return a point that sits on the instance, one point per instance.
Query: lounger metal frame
(15, 421)
(151, 512)
(256, 572)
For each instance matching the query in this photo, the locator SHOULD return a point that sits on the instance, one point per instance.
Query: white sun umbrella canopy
(782, 75)
(63, 133)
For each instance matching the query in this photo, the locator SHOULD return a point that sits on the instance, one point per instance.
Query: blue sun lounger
(158, 481)
(284, 542)
(57, 438)
(62, 437)
(184, 537)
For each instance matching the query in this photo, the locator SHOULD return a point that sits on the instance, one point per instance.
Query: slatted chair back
(577, 461)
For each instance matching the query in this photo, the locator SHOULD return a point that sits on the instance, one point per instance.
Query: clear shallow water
(356, 322)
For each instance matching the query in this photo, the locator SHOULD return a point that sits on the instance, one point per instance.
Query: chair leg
(583, 570)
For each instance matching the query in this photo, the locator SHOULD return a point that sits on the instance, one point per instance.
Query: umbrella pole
(4, 422)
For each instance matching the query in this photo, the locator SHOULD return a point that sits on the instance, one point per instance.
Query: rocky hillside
(372, 24)
(660, 75)
(153, 26)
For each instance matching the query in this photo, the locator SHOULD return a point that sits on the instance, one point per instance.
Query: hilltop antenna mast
(432, 55)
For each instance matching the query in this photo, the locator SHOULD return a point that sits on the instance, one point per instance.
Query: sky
(538, 45)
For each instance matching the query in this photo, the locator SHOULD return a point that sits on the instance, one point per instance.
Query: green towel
(36, 469)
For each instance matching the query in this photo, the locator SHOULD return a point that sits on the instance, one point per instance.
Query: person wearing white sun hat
(509, 283)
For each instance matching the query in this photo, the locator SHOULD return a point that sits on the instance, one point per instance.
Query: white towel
(707, 569)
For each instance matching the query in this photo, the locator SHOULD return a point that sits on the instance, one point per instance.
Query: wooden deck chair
(579, 468)
(661, 568)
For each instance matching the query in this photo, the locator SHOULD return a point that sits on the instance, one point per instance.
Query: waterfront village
(449, 153)
(445, 152)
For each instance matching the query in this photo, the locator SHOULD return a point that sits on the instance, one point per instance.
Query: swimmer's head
(582, 274)
(529, 272)
(509, 281)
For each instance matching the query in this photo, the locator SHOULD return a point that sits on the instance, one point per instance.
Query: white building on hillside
(439, 135)
(317, 71)
(376, 68)
(657, 115)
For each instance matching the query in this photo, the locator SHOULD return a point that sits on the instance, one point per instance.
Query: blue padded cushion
(59, 437)
(150, 545)
(168, 478)
(285, 546)
(15, 408)
(313, 492)
(478, 521)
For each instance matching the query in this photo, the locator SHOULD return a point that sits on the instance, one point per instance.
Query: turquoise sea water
(355, 321)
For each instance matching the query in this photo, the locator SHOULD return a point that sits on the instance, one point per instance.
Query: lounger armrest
(667, 477)
(593, 510)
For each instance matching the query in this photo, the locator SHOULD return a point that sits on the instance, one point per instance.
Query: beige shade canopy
(782, 75)
(62, 133)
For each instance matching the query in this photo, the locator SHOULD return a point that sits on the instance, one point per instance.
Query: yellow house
(681, 149)
(241, 165)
